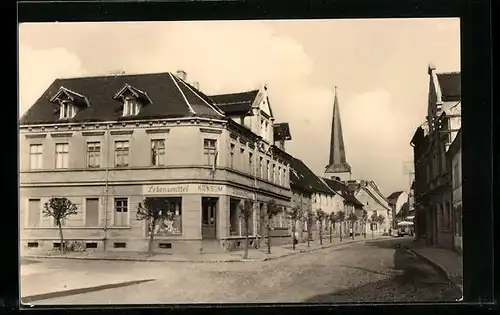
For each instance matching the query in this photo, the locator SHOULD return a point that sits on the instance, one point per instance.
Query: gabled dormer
(133, 100)
(70, 102)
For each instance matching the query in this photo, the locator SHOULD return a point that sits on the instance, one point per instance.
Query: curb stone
(193, 261)
(436, 266)
(58, 294)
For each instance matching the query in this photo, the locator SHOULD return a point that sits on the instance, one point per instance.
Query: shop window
(90, 245)
(234, 222)
(172, 223)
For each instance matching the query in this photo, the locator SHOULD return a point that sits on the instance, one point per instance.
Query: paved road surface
(376, 271)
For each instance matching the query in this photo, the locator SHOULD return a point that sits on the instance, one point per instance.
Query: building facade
(374, 203)
(400, 209)
(433, 203)
(454, 156)
(107, 143)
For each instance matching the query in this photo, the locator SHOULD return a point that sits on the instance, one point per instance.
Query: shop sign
(180, 189)
(242, 193)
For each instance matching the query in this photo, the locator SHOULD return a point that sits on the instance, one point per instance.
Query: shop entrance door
(209, 217)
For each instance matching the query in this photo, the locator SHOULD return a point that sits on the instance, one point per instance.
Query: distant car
(405, 230)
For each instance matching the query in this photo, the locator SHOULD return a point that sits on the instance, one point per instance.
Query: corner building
(107, 143)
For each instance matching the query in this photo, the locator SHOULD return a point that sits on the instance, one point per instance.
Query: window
(250, 163)
(130, 107)
(284, 177)
(158, 152)
(172, 224)
(121, 212)
(456, 177)
(36, 151)
(261, 167)
(231, 155)
(267, 170)
(93, 154)
(274, 173)
(234, 220)
(242, 157)
(62, 154)
(279, 175)
(34, 212)
(92, 212)
(121, 153)
(66, 110)
(209, 150)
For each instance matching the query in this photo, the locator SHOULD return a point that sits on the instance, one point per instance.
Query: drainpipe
(106, 191)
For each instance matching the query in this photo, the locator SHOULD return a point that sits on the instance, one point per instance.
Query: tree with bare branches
(152, 210)
(59, 209)
(245, 213)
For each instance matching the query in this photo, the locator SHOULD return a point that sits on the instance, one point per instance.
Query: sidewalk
(236, 256)
(447, 260)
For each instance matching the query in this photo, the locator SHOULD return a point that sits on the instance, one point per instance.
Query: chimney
(196, 85)
(431, 68)
(181, 74)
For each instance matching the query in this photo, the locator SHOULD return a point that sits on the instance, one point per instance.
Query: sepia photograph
(242, 161)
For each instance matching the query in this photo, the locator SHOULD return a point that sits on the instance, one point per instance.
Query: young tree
(294, 214)
(309, 217)
(380, 219)
(152, 210)
(332, 218)
(245, 213)
(364, 219)
(341, 219)
(272, 210)
(352, 218)
(373, 220)
(59, 209)
(320, 216)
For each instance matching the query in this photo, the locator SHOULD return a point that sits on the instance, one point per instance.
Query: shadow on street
(413, 280)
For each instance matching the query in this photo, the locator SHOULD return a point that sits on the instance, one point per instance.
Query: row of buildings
(106, 143)
(438, 165)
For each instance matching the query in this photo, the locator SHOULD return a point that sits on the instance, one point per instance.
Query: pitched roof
(171, 98)
(303, 178)
(451, 86)
(394, 195)
(281, 131)
(343, 190)
(235, 103)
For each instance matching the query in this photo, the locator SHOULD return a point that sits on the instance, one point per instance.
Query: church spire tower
(337, 164)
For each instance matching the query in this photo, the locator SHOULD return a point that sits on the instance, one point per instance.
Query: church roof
(337, 162)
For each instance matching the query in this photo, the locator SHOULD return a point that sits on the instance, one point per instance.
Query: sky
(379, 66)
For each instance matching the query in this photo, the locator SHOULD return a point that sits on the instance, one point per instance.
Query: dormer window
(131, 107)
(70, 102)
(67, 110)
(133, 100)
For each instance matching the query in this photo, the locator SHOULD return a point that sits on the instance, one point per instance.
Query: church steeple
(337, 164)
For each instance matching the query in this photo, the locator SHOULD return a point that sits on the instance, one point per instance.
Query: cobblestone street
(372, 271)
